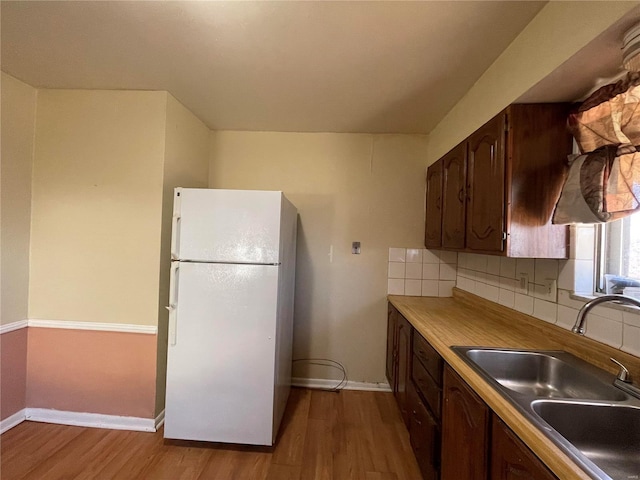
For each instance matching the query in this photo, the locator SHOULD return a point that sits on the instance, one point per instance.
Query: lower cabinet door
(425, 436)
(511, 459)
(465, 431)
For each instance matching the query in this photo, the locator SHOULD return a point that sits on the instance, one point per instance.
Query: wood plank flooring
(349, 435)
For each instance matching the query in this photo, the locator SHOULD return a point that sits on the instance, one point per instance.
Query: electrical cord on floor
(326, 362)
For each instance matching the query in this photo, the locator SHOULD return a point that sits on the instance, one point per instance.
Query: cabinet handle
(461, 195)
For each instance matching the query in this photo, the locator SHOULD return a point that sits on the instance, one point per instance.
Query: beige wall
(186, 164)
(18, 127)
(347, 187)
(96, 206)
(551, 38)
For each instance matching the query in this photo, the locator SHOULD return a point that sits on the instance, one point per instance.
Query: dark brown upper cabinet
(433, 221)
(499, 186)
(454, 197)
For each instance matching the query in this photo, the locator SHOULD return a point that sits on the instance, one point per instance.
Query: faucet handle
(623, 374)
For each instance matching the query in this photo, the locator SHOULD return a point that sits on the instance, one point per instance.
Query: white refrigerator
(230, 315)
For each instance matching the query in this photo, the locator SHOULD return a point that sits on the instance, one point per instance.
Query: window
(618, 256)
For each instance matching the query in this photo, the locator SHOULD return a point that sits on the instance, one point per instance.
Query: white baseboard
(93, 420)
(323, 384)
(159, 420)
(13, 420)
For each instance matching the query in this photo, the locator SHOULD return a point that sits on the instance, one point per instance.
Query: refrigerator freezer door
(220, 370)
(226, 226)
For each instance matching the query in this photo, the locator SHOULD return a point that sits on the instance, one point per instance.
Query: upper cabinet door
(454, 183)
(486, 187)
(433, 222)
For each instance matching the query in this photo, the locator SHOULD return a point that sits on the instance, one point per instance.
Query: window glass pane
(620, 255)
(631, 255)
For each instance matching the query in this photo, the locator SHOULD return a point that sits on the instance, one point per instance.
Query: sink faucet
(579, 327)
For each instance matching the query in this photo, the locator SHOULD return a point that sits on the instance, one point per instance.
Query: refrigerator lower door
(220, 366)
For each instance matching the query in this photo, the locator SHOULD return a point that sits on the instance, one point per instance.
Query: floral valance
(603, 184)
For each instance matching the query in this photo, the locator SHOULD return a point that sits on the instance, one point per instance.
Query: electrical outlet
(523, 279)
(551, 288)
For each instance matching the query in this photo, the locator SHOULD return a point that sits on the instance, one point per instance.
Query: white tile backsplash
(493, 265)
(430, 288)
(545, 269)
(434, 273)
(508, 283)
(507, 298)
(414, 255)
(604, 330)
(431, 271)
(397, 254)
(466, 284)
(631, 319)
(523, 303)
(413, 287)
(583, 276)
(566, 317)
(584, 243)
(444, 288)
(395, 286)
(631, 339)
(421, 272)
(525, 266)
(447, 271)
(488, 292)
(413, 271)
(396, 270)
(430, 256)
(566, 274)
(508, 267)
(547, 311)
(610, 313)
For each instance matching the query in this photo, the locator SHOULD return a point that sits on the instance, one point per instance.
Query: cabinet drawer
(427, 387)
(424, 434)
(431, 359)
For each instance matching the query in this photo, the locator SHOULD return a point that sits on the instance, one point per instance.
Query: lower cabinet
(453, 432)
(403, 335)
(414, 371)
(424, 433)
(465, 431)
(471, 431)
(511, 459)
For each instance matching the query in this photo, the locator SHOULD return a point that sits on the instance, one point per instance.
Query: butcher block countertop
(468, 320)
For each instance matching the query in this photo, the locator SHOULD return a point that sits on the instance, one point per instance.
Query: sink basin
(543, 374)
(570, 401)
(608, 435)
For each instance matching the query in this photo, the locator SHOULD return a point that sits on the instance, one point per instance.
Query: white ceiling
(394, 67)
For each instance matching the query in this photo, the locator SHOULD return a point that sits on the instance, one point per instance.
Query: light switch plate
(355, 248)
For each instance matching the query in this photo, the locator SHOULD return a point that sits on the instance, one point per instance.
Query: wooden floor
(324, 435)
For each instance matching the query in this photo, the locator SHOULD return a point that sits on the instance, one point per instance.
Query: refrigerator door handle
(175, 237)
(173, 303)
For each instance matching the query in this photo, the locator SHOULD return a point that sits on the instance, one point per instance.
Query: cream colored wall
(347, 187)
(97, 206)
(186, 164)
(18, 127)
(551, 38)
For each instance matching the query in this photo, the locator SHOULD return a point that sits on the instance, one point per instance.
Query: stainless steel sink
(544, 374)
(572, 402)
(608, 435)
